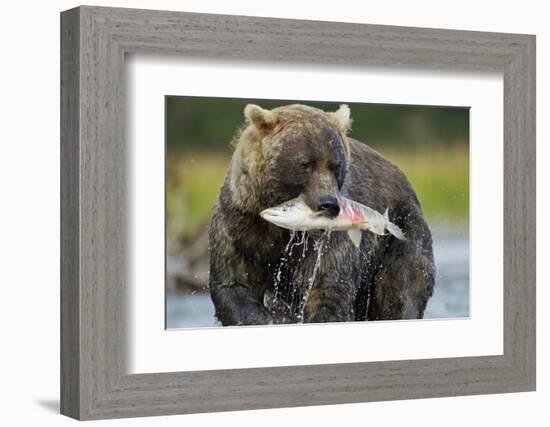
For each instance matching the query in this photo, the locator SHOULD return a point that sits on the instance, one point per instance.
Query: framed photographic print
(261, 213)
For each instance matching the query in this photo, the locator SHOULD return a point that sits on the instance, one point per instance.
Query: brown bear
(263, 274)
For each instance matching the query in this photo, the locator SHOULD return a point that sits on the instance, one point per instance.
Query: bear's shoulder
(375, 180)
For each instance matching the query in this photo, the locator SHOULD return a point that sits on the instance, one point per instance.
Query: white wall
(29, 226)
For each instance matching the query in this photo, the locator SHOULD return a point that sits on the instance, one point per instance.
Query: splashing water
(294, 302)
(318, 247)
(297, 243)
(297, 306)
(278, 273)
(305, 239)
(292, 235)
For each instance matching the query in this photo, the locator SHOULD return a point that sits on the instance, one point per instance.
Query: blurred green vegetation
(440, 178)
(209, 123)
(192, 184)
(430, 144)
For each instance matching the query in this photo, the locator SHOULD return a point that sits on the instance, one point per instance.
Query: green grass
(439, 175)
(192, 184)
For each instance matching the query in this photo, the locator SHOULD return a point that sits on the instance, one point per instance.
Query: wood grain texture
(70, 292)
(94, 270)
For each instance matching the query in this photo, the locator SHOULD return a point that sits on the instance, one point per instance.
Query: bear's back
(375, 181)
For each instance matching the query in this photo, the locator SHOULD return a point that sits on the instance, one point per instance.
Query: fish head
(292, 215)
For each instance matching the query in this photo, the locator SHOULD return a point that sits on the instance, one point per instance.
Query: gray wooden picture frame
(94, 41)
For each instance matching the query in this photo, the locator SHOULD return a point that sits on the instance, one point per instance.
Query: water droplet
(318, 248)
(275, 299)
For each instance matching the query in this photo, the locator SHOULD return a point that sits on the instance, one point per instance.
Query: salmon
(353, 217)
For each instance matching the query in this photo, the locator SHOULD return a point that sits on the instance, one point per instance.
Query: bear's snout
(329, 206)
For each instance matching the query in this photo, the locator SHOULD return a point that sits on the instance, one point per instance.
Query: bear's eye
(334, 167)
(306, 164)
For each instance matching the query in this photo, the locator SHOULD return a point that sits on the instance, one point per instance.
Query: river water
(450, 299)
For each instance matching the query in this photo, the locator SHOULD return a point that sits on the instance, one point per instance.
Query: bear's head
(290, 151)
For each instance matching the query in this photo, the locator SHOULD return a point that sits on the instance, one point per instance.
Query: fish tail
(392, 228)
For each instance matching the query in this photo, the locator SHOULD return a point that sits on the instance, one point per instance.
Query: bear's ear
(263, 120)
(341, 118)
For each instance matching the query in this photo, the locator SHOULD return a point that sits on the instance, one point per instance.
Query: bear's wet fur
(300, 150)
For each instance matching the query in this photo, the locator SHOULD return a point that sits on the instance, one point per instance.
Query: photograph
(294, 212)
